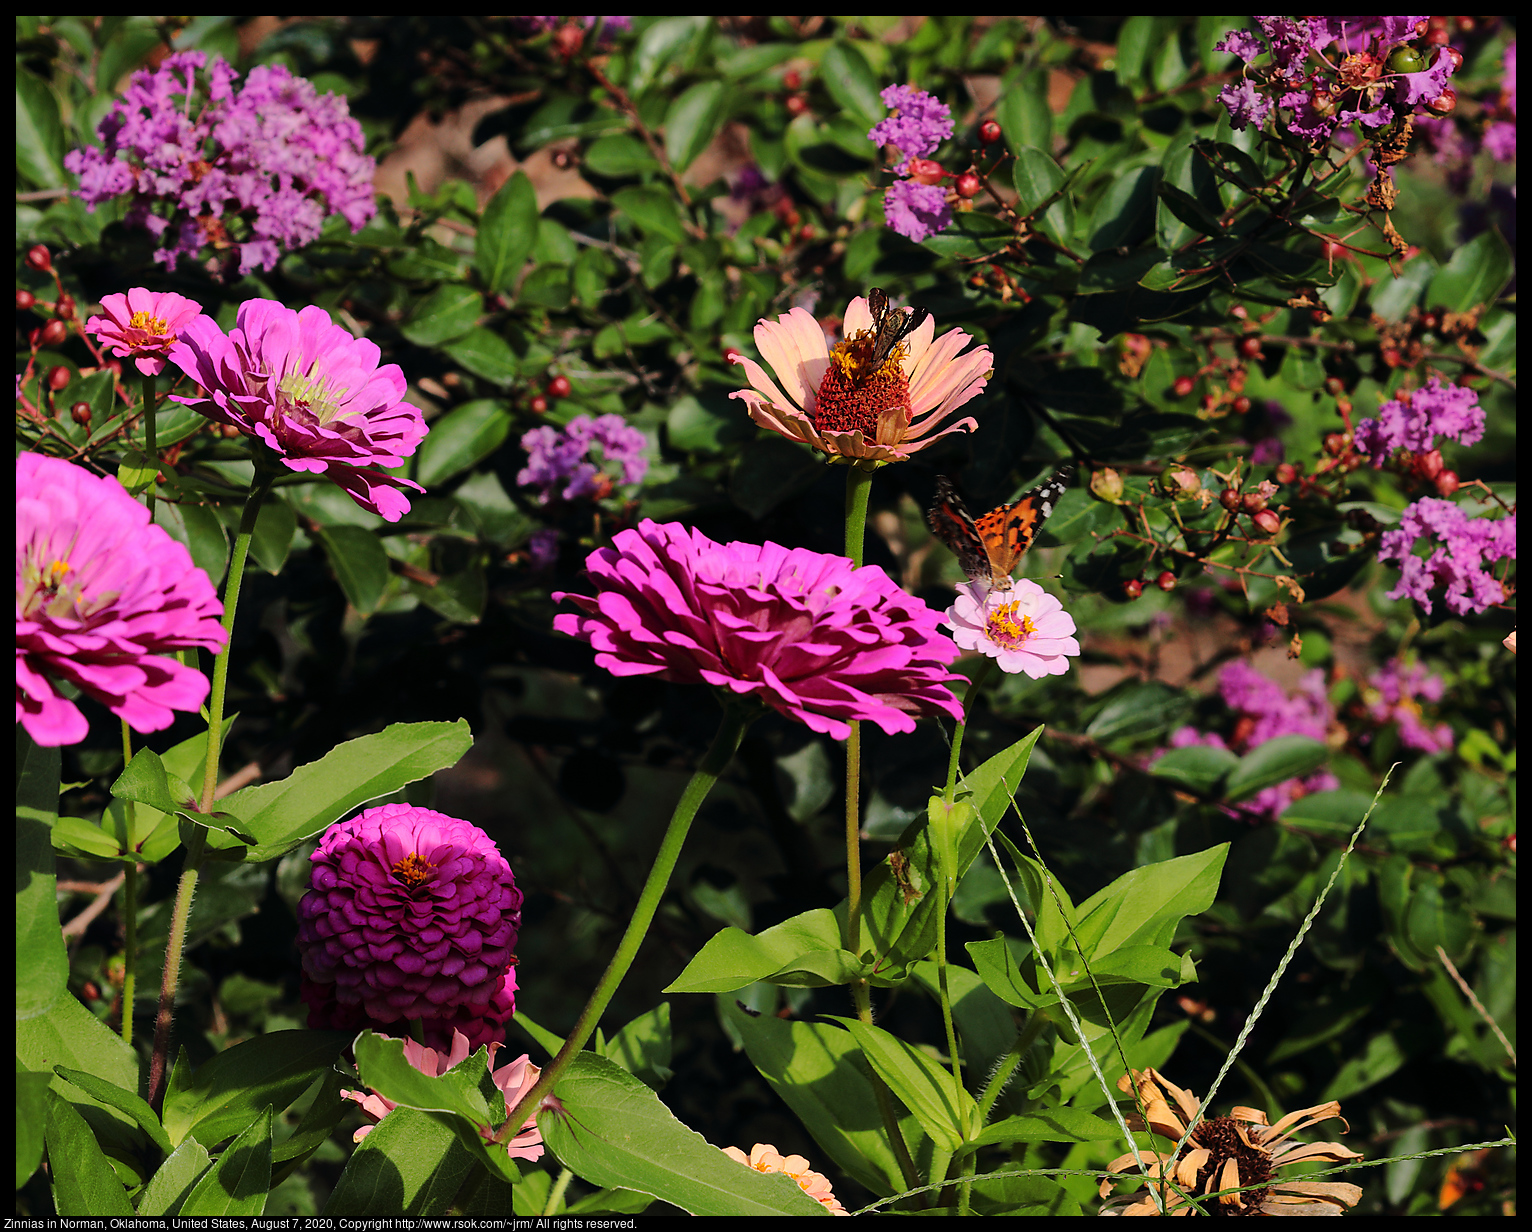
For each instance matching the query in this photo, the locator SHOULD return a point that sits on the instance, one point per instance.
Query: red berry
(1429, 465)
(1447, 483)
(1453, 54)
(1166, 580)
(1467, 24)
(1133, 588)
(54, 332)
(989, 132)
(1268, 521)
(539, 405)
(1334, 386)
(559, 387)
(925, 171)
(64, 308)
(39, 258)
(80, 413)
(1230, 498)
(968, 185)
(797, 104)
(1182, 386)
(1286, 472)
(24, 299)
(1252, 502)
(792, 80)
(1444, 103)
(806, 232)
(1242, 405)
(58, 377)
(1335, 444)
(1239, 312)
(1391, 357)
(1250, 348)
(1436, 37)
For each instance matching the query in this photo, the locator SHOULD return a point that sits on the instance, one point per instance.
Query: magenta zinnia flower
(143, 325)
(310, 392)
(101, 596)
(1024, 629)
(412, 915)
(854, 401)
(805, 632)
(513, 1080)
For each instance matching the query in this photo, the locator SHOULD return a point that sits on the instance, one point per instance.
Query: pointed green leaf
(732, 958)
(169, 1187)
(240, 1182)
(84, 1182)
(944, 1111)
(507, 234)
(693, 120)
(127, 1101)
(1276, 761)
(42, 969)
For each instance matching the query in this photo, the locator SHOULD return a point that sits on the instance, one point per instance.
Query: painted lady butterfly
(990, 547)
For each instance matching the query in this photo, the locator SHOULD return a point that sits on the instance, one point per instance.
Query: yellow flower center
(414, 871)
(857, 389)
(1006, 628)
(48, 591)
(150, 325)
(308, 393)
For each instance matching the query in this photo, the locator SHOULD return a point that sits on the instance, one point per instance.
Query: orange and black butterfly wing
(951, 522)
(992, 546)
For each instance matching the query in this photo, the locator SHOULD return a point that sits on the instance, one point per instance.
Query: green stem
(556, 1193)
(154, 457)
(858, 488)
(259, 486)
(946, 999)
(1008, 1063)
(129, 902)
(974, 685)
(736, 719)
(860, 994)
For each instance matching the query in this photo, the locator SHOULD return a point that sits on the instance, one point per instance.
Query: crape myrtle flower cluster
(103, 598)
(309, 392)
(1327, 73)
(1415, 418)
(1454, 142)
(919, 124)
(412, 916)
(1265, 711)
(1393, 695)
(1460, 550)
(559, 461)
(273, 154)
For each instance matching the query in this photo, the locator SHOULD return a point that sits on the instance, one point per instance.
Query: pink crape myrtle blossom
(307, 390)
(102, 598)
(804, 632)
(1415, 418)
(764, 1157)
(919, 124)
(1461, 550)
(847, 401)
(1024, 629)
(143, 325)
(513, 1080)
(412, 915)
(1394, 694)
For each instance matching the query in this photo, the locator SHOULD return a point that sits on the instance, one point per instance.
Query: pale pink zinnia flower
(143, 325)
(101, 598)
(865, 398)
(805, 632)
(1024, 629)
(514, 1080)
(764, 1157)
(311, 393)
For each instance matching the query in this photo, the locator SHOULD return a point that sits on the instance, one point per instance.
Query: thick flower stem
(147, 402)
(736, 719)
(129, 902)
(974, 685)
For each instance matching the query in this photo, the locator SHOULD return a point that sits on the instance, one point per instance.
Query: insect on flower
(890, 326)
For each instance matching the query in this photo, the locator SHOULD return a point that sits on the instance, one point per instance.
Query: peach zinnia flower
(864, 398)
(1227, 1153)
(764, 1157)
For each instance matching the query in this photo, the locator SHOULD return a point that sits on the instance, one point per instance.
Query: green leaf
(1023, 113)
(240, 1181)
(1475, 274)
(448, 312)
(360, 563)
(791, 952)
(619, 156)
(1037, 178)
(652, 210)
(1054, 1125)
(272, 539)
(169, 1187)
(42, 969)
(412, 1163)
(84, 1182)
(661, 46)
(1139, 709)
(507, 233)
(845, 73)
(1198, 768)
(461, 438)
(947, 1113)
(612, 1130)
(693, 120)
(232, 1090)
(485, 354)
(281, 815)
(1276, 761)
(69, 1034)
(31, 1122)
(126, 1101)
(643, 1047)
(39, 134)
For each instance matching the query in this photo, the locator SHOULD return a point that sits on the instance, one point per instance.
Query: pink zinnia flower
(1024, 629)
(101, 597)
(514, 1080)
(143, 325)
(412, 915)
(805, 632)
(311, 393)
(861, 400)
(764, 1157)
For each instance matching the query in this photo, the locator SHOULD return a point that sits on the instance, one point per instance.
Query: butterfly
(891, 326)
(990, 547)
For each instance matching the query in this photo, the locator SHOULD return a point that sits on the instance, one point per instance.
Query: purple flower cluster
(1266, 711)
(1416, 418)
(1327, 73)
(559, 461)
(1455, 141)
(1460, 548)
(270, 160)
(1394, 694)
(919, 125)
